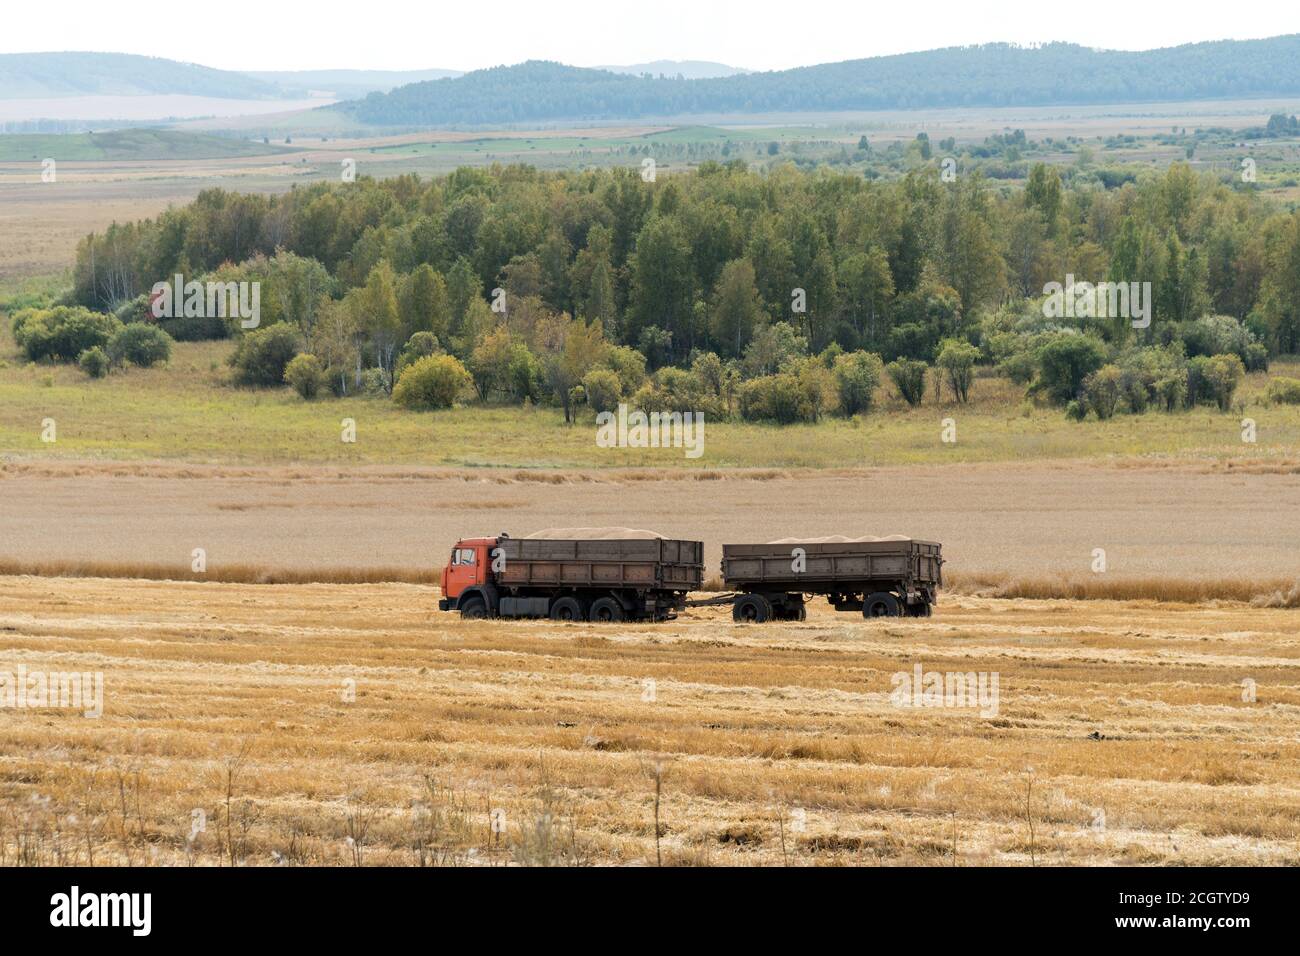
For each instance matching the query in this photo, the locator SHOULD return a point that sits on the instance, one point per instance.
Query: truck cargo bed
(642, 564)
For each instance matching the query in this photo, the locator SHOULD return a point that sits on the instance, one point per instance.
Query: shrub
(957, 360)
(306, 375)
(263, 354)
(94, 362)
(61, 334)
(1256, 358)
(777, 398)
(857, 376)
(1065, 361)
(435, 381)
(1020, 367)
(1283, 391)
(603, 389)
(908, 376)
(1223, 373)
(1076, 411)
(418, 346)
(1102, 390)
(374, 381)
(140, 344)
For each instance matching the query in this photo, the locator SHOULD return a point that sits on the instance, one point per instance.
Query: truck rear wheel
(607, 610)
(473, 608)
(880, 604)
(752, 609)
(566, 609)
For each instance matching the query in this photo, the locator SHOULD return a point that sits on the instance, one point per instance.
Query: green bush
(1065, 361)
(1283, 391)
(857, 376)
(94, 362)
(1102, 390)
(957, 359)
(778, 398)
(306, 375)
(140, 344)
(1076, 411)
(432, 382)
(603, 389)
(62, 333)
(263, 354)
(1223, 373)
(908, 376)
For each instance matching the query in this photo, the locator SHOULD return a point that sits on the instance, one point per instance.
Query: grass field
(129, 144)
(354, 725)
(186, 411)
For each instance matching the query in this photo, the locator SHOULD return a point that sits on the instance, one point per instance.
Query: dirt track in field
(1175, 520)
(1120, 733)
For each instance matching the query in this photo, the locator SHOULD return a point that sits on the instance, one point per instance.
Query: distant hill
(40, 75)
(991, 75)
(347, 84)
(135, 144)
(689, 69)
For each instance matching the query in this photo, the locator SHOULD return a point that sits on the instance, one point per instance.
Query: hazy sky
(758, 34)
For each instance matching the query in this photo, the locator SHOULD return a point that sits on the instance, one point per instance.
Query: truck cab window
(467, 556)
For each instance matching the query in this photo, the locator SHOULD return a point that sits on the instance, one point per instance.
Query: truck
(577, 579)
(887, 577)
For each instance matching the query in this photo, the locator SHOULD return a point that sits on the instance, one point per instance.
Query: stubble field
(345, 724)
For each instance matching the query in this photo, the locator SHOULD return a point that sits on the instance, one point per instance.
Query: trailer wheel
(752, 609)
(474, 608)
(801, 613)
(607, 610)
(880, 604)
(566, 609)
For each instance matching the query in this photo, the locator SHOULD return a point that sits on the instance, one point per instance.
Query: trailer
(604, 579)
(887, 577)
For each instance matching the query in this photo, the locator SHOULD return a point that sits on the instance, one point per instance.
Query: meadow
(187, 410)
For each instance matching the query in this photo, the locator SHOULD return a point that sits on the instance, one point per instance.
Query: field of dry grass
(346, 724)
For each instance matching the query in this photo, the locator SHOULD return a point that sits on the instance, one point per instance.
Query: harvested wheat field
(345, 724)
(1195, 528)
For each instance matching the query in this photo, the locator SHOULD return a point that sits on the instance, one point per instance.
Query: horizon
(607, 65)
(580, 34)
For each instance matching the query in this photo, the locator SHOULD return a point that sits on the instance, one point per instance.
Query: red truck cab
(469, 567)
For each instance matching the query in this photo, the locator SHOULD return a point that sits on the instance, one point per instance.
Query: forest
(988, 75)
(782, 296)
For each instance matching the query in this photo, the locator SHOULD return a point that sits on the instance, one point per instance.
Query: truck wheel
(566, 609)
(606, 610)
(474, 608)
(752, 609)
(880, 604)
(801, 613)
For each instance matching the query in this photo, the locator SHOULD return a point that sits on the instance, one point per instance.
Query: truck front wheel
(880, 604)
(473, 607)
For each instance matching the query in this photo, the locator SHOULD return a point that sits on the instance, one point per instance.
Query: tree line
(989, 75)
(782, 295)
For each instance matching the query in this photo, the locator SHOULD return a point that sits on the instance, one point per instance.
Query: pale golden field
(1121, 734)
(1166, 526)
